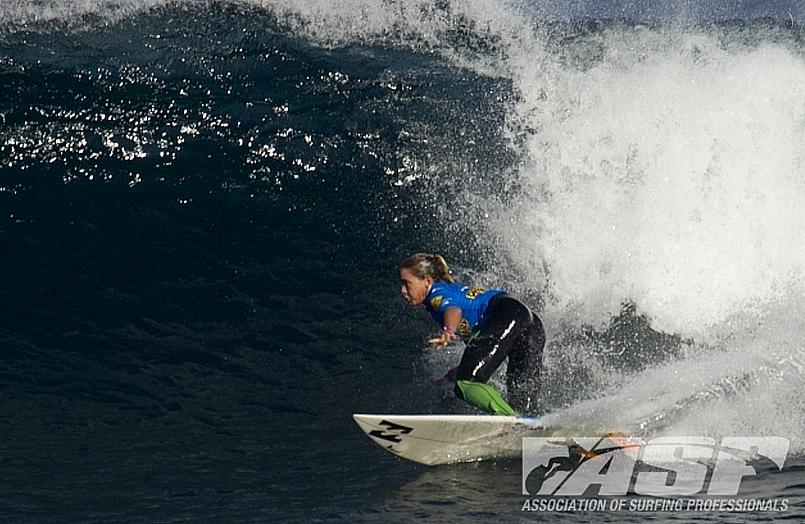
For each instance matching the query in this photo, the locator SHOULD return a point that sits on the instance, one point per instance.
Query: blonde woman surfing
(494, 326)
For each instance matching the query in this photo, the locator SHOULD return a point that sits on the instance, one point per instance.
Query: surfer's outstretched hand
(442, 340)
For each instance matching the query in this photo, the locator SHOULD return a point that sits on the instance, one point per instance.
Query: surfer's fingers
(437, 343)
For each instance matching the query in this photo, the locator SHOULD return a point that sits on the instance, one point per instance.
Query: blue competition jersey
(472, 301)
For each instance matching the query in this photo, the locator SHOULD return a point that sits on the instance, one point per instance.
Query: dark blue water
(202, 208)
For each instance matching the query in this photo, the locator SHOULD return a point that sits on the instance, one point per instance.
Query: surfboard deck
(448, 439)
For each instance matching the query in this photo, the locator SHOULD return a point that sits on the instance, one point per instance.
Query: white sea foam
(669, 174)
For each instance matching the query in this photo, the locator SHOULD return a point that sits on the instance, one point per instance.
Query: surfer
(494, 325)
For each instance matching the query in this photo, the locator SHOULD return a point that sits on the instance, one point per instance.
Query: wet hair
(426, 264)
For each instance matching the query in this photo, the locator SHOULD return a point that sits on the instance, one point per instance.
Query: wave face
(203, 205)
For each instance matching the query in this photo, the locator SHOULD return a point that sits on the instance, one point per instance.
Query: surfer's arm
(452, 317)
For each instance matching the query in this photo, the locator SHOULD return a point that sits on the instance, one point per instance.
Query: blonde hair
(426, 264)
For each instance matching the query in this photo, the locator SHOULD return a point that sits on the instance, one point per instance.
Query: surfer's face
(414, 289)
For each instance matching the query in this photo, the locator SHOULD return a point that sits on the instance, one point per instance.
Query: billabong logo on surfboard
(392, 432)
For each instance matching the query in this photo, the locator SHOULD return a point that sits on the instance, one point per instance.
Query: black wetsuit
(508, 329)
(496, 325)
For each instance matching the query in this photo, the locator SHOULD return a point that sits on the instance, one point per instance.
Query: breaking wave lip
(381, 14)
(69, 14)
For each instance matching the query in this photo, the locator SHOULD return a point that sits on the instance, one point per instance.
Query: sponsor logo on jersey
(474, 292)
(464, 328)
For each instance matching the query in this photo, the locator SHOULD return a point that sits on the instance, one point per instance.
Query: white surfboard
(447, 439)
